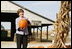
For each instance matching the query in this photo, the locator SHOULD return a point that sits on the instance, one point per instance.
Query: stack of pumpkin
(50, 46)
(37, 47)
(67, 46)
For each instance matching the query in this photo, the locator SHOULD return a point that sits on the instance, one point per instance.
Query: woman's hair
(20, 10)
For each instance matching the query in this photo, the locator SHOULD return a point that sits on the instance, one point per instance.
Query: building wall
(6, 6)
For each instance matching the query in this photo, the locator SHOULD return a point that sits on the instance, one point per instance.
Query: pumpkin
(37, 47)
(51, 46)
(22, 23)
(40, 47)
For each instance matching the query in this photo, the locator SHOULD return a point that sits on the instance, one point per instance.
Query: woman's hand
(20, 29)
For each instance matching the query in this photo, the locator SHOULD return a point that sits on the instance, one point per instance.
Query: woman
(21, 33)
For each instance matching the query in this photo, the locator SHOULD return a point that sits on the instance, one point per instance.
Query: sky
(46, 8)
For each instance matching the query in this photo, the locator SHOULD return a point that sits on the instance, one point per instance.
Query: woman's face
(21, 14)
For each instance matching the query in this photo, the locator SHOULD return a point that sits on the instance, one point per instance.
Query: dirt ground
(32, 44)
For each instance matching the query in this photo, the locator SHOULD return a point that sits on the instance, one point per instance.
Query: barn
(8, 15)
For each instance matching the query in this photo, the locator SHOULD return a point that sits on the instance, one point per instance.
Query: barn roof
(32, 12)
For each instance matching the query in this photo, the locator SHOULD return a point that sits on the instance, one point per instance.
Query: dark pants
(21, 39)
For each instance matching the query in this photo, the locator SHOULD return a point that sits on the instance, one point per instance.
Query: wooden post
(47, 32)
(34, 33)
(41, 35)
(37, 31)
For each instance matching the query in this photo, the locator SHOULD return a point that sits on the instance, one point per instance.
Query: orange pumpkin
(37, 47)
(23, 23)
(51, 46)
(40, 47)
